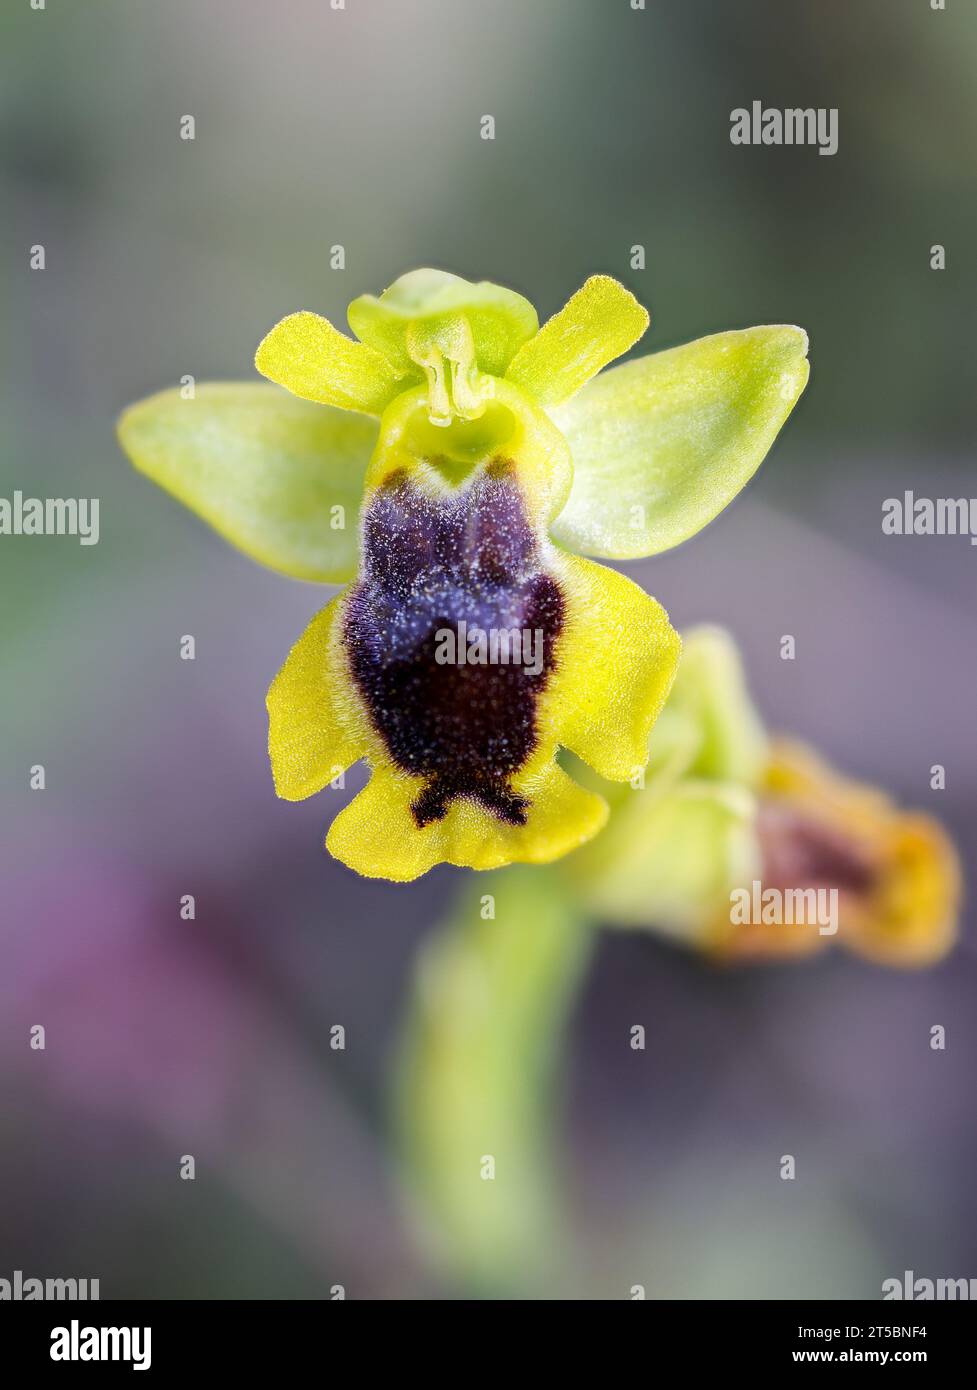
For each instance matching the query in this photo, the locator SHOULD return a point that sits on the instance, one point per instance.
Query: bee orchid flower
(454, 466)
(729, 816)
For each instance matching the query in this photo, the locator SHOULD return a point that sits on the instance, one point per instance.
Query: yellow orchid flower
(472, 642)
(728, 812)
(897, 872)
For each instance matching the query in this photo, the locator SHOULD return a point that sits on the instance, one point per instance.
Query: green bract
(710, 696)
(673, 848)
(666, 859)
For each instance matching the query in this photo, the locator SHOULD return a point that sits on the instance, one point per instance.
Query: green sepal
(279, 478)
(662, 444)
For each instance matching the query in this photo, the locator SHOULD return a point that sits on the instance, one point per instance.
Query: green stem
(475, 1099)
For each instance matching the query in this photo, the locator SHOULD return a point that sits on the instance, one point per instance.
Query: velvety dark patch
(801, 852)
(431, 563)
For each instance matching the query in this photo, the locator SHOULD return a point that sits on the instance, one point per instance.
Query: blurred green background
(360, 127)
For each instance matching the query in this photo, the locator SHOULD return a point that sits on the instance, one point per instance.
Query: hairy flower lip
(519, 805)
(469, 554)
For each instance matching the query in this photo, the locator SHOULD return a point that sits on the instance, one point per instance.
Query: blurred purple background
(212, 1037)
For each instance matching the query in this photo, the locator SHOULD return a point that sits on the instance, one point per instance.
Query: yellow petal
(597, 324)
(312, 359)
(316, 729)
(377, 836)
(911, 918)
(617, 659)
